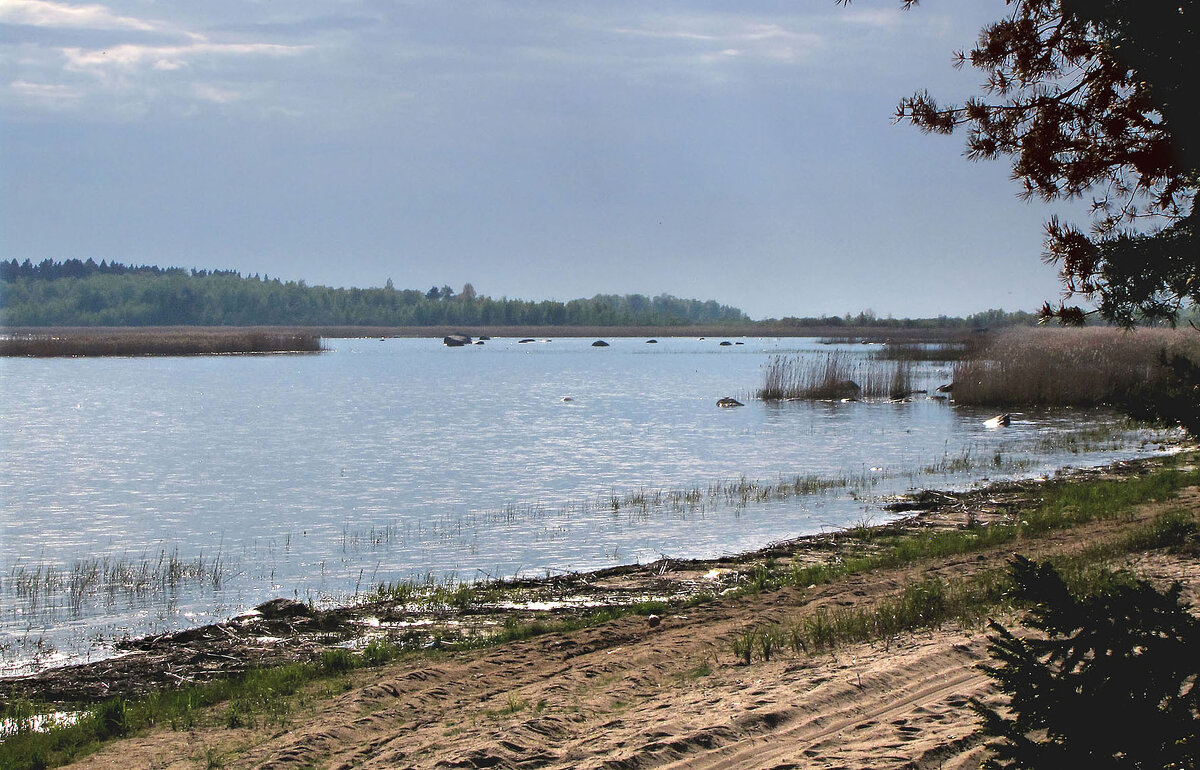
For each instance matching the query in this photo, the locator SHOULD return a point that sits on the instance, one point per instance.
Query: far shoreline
(753, 329)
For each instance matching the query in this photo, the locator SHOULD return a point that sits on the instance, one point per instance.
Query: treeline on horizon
(77, 292)
(85, 293)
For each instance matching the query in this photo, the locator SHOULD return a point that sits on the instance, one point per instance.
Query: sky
(539, 149)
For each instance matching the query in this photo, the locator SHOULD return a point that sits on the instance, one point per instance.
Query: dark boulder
(846, 390)
(279, 609)
(728, 403)
(651, 342)
(726, 343)
(599, 344)
(527, 339)
(456, 340)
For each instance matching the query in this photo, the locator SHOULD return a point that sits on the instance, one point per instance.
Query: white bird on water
(999, 420)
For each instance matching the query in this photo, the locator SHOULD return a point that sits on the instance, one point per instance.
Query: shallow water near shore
(142, 495)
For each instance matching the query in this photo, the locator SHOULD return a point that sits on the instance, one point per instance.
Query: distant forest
(85, 293)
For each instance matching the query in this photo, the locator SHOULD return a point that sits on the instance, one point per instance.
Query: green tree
(1098, 98)
(1110, 680)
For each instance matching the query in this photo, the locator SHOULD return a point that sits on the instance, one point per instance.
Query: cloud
(211, 93)
(719, 37)
(42, 13)
(168, 57)
(48, 92)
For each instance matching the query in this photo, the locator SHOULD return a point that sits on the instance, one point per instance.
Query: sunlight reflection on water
(384, 460)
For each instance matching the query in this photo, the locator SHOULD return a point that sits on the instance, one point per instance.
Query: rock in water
(277, 609)
(456, 340)
(727, 403)
(599, 344)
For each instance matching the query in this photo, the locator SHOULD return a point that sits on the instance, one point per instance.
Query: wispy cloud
(168, 57)
(721, 36)
(216, 94)
(97, 60)
(48, 92)
(43, 13)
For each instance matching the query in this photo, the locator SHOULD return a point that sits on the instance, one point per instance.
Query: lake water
(144, 494)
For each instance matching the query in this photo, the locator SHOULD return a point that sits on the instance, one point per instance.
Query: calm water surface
(322, 475)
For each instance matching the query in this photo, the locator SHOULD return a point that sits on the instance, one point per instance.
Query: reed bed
(158, 343)
(835, 376)
(922, 351)
(1069, 367)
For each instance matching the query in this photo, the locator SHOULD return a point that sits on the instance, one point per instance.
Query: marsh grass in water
(157, 343)
(835, 376)
(922, 351)
(49, 590)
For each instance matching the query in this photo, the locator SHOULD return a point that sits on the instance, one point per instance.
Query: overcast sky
(541, 149)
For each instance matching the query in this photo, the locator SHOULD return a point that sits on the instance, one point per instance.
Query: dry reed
(1068, 367)
(158, 343)
(834, 376)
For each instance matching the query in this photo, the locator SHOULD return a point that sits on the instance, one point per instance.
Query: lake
(145, 494)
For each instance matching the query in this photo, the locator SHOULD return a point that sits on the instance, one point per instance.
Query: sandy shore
(632, 694)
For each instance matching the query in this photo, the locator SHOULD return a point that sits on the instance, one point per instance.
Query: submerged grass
(49, 590)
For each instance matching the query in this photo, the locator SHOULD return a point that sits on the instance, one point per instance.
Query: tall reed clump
(158, 343)
(1069, 367)
(835, 376)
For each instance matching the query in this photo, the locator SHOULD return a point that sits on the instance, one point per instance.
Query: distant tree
(1099, 98)
(1111, 680)
(467, 293)
(76, 293)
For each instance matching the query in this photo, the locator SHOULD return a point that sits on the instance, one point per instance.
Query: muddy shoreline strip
(284, 631)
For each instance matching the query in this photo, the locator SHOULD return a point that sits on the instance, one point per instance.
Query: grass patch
(265, 695)
(933, 601)
(1064, 503)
